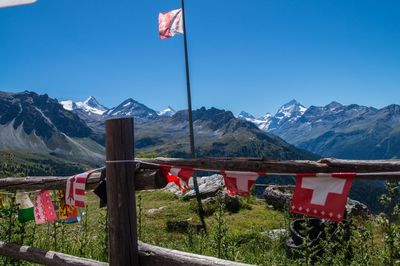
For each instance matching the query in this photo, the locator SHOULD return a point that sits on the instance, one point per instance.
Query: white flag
(7, 3)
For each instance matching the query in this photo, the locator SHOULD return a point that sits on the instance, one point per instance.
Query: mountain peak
(130, 107)
(290, 110)
(245, 115)
(169, 111)
(333, 105)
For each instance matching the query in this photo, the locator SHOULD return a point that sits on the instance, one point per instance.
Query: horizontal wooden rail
(144, 179)
(45, 257)
(149, 176)
(149, 255)
(152, 255)
(327, 165)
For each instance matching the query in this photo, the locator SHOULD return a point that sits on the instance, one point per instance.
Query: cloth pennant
(177, 175)
(239, 183)
(101, 189)
(75, 190)
(25, 207)
(65, 211)
(43, 208)
(8, 3)
(4, 201)
(322, 195)
(170, 23)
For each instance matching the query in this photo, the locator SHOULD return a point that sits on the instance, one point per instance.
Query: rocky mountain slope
(38, 123)
(217, 133)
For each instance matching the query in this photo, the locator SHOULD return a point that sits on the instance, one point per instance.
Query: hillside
(217, 133)
(37, 123)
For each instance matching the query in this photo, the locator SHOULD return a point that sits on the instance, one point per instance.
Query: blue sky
(244, 55)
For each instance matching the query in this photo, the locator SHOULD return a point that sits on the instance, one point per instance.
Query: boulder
(208, 186)
(278, 196)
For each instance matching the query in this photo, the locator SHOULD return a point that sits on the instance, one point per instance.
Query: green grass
(233, 236)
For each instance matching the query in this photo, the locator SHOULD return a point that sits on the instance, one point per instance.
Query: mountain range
(218, 132)
(74, 131)
(336, 130)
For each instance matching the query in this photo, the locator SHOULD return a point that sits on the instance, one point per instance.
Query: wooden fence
(125, 176)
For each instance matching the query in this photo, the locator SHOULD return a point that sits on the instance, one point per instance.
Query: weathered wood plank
(152, 255)
(45, 257)
(149, 255)
(121, 200)
(144, 179)
(326, 165)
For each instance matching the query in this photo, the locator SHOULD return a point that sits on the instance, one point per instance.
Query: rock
(174, 189)
(275, 233)
(183, 226)
(278, 196)
(208, 186)
(356, 208)
(151, 211)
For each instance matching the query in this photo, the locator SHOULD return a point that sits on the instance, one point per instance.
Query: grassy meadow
(233, 236)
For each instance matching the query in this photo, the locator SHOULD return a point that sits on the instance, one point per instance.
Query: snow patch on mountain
(169, 111)
(90, 106)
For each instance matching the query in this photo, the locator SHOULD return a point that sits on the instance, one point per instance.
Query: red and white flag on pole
(177, 175)
(7, 3)
(322, 195)
(75, 190)
(170, 23)
(239, 183)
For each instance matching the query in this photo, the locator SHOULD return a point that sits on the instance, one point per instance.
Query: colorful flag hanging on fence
(65, 211)
(44, 209)
(239, 183)
(4, 201)
(170, 23)
(75, 190)
(322, 195)
(7, 3)
(179, 176)
(25, 207)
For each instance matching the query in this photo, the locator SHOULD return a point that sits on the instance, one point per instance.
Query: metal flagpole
(192, 149)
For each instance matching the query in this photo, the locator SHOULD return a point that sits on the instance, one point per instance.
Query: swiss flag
(177, 175)
(170, 23)
(239, 183)
(322, 195)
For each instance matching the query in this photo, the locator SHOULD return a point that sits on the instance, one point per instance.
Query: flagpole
(191, 132)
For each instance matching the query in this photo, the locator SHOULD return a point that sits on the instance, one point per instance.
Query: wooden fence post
(121, 202)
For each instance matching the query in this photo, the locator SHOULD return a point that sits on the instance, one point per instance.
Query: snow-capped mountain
(90, 106)
(131, 107)
(288, 113)
(169, 111)
(262, 122)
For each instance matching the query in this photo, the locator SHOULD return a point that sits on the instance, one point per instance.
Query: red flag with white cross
(178, 175)
(322, 195)
(239, 183)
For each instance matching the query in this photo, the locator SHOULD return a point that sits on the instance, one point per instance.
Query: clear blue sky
(244, 55)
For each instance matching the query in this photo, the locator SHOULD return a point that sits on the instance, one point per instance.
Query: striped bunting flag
(75, 190)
